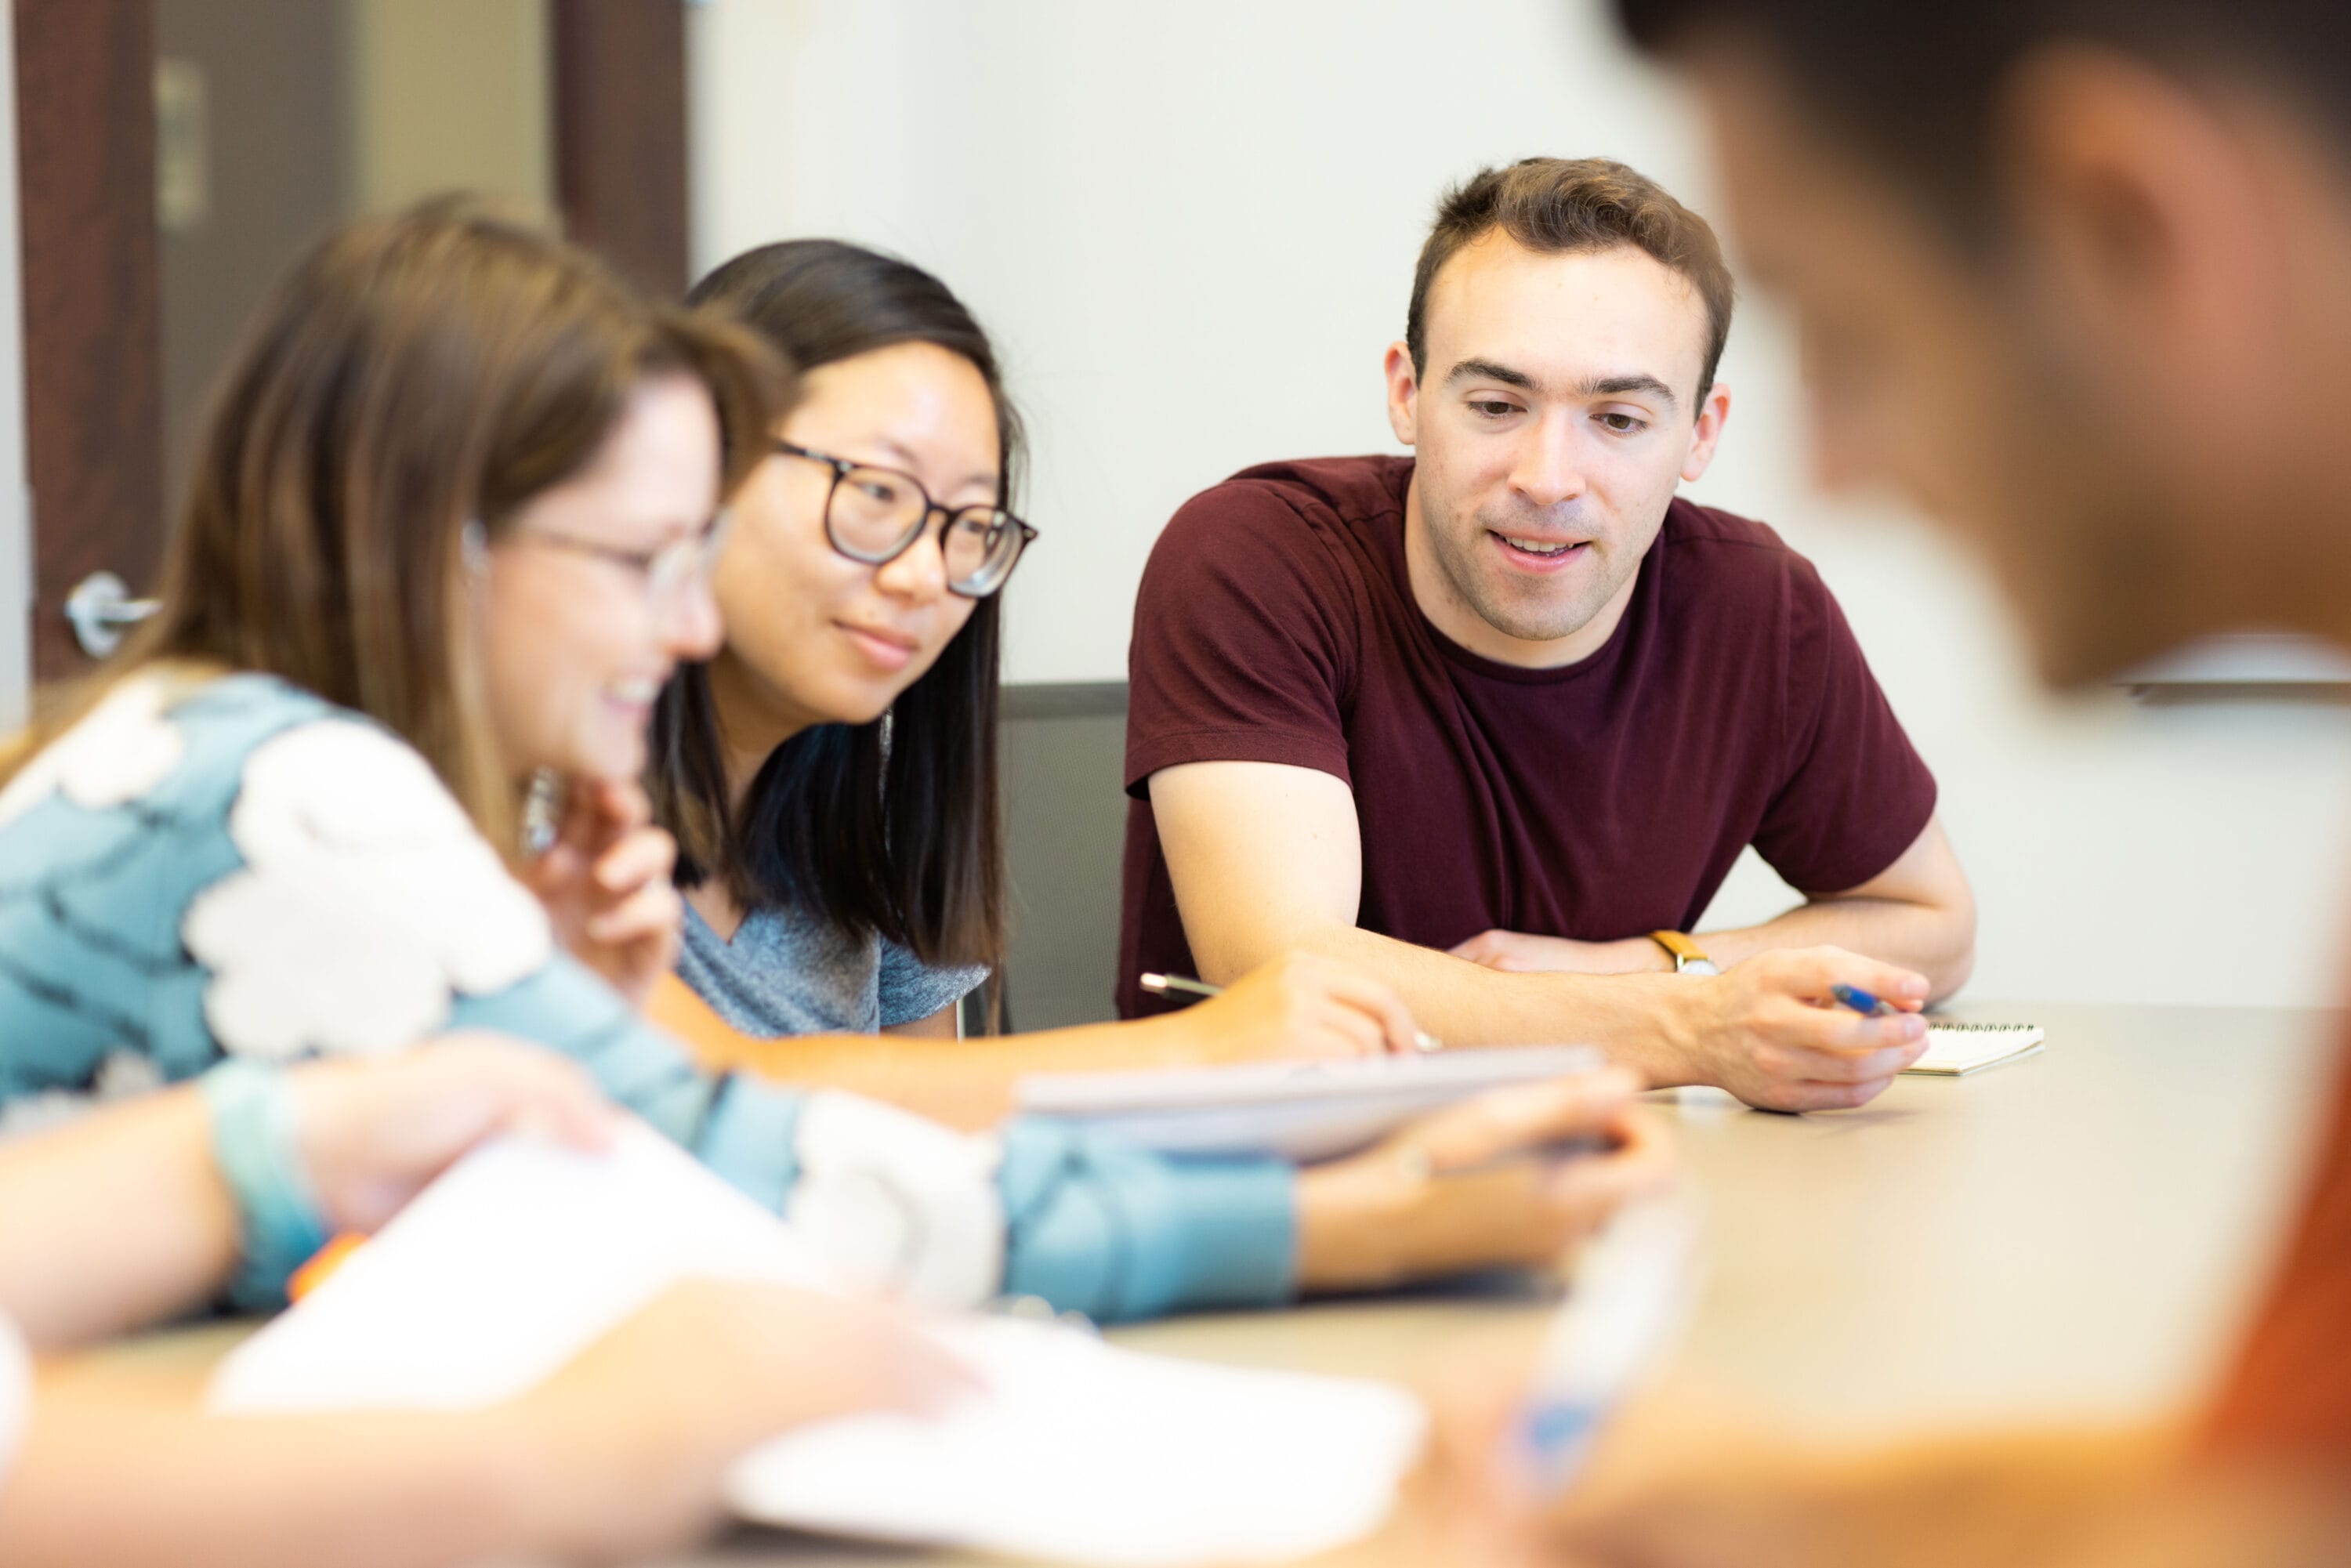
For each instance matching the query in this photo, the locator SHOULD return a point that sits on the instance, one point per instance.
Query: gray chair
(1064, 750)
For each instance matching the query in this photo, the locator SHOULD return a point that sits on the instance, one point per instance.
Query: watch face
(1701, 966)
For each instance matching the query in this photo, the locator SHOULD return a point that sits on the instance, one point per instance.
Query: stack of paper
(522, 1255)
(515, 1262)
(1300, 1110)
(1086, 1453)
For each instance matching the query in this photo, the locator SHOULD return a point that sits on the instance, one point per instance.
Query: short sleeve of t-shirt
(1855, 793)
(1242, 639)
(2289, 1395)
(911, 990)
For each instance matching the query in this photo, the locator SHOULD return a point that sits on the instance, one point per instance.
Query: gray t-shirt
(785, 975)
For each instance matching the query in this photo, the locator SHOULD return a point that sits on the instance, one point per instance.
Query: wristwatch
(1689, 957)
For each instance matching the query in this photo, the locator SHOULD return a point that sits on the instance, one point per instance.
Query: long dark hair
(890, 827)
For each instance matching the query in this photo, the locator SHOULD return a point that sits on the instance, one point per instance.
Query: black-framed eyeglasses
(874, 515)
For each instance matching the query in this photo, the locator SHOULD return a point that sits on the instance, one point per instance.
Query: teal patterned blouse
(236, 867)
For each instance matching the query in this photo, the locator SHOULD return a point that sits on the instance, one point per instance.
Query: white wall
(1192, 228)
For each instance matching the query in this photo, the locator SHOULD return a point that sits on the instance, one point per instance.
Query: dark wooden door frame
(619, 134)
(86, 171)
(93, 397)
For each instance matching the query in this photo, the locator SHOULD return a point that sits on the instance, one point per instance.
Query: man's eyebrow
(1488, 371)
(1635, 382)
(1619, 386)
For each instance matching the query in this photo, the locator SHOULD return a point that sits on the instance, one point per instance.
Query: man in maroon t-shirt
(1495, 721)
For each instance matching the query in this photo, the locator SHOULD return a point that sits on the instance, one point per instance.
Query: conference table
(2076, 1236)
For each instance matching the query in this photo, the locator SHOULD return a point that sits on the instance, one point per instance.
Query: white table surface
(2077, 1235)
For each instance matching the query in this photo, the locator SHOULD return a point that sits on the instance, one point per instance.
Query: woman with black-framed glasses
(831, 777)
(845, 875)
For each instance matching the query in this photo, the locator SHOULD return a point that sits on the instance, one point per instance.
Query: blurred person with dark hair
(1494, 721)
(2074, 277)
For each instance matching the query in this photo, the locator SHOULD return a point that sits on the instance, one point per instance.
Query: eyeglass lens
(875, 514)
(688, 560)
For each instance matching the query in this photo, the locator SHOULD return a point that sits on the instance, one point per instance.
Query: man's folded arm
(1266, 858)
(1919, 913)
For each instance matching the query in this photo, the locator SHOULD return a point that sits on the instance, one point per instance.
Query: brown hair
(1918, 89)
(1562, 205)
(411, 374)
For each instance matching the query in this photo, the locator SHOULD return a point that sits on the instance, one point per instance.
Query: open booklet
(522, 1255)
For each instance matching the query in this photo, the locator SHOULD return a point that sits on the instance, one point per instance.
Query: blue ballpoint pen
(1860, 1001)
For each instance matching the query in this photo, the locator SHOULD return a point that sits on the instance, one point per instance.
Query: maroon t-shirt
(1604, 799)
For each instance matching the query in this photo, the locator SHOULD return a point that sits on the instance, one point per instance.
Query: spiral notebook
(1956, 1049)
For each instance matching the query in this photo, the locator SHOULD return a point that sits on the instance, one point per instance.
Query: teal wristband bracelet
(280, 1223)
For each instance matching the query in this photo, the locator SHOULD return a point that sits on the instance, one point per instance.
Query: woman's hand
(605, 881)
(1473, 1187)
(374, 1131)
(637, 1434)
(1299, 1005)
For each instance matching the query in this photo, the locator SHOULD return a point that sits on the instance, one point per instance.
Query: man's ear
(1404, 395)
(1713, 413)
(2147, 220)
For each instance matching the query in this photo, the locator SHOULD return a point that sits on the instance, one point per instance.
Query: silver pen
(1161, 985)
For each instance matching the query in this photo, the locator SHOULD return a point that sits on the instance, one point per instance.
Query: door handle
(102, 609)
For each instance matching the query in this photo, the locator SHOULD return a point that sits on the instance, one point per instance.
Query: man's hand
(606, 885)
(1770, 1032)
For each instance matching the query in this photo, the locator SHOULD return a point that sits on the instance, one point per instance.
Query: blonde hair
(410, 374)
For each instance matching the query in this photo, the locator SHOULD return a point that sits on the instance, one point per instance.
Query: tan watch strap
(1684, 951)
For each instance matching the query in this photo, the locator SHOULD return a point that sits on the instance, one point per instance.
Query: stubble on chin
(1530, 609)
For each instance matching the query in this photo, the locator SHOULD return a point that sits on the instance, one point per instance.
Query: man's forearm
(1938, 942)
(1640, 1018)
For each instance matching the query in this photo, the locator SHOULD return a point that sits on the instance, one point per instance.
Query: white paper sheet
(522, 1255)
(1086, 1453)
